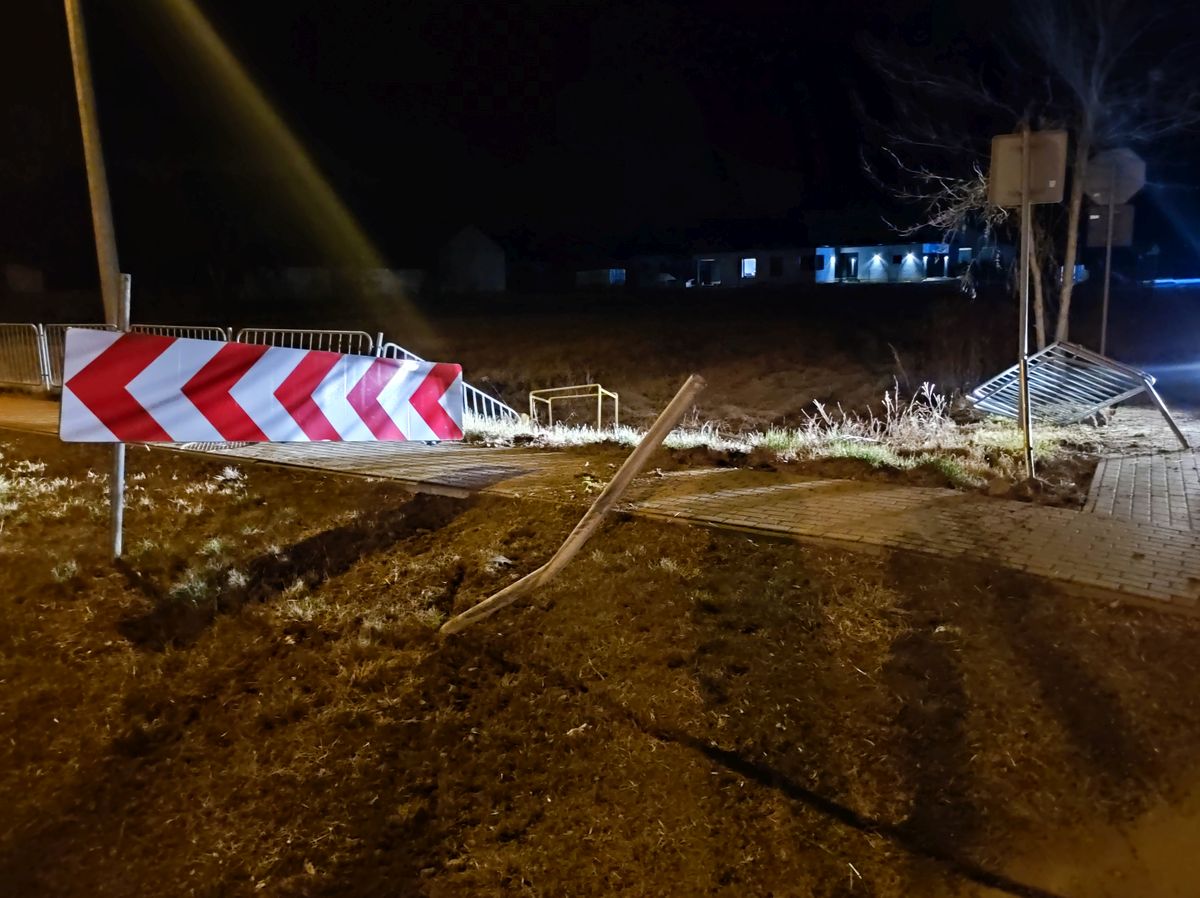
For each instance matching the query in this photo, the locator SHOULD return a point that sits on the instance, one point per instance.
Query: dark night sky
(583, 123)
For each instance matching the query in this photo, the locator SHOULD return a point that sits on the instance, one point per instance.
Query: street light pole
(114, 291)
(93, 156)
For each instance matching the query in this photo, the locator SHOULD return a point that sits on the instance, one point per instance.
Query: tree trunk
(1039, 306)
(1083, 146)
(1041, 257)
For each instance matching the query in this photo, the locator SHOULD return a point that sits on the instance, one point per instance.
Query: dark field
(767, 354)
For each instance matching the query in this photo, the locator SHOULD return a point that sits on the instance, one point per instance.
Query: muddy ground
(256, 703)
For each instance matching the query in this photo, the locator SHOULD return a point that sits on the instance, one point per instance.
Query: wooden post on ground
(592, 518)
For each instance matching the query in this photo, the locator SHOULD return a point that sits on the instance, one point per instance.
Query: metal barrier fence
(21, 361)
(32, 354)
(481, 405)
(552, 395)
(191, 332)
(396, 351)
(350, 342)
(54, 348)
(475, 401)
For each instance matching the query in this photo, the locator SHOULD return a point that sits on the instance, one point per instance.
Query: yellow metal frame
(580, 391)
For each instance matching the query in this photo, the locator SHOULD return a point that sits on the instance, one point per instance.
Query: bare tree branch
(1078, 65)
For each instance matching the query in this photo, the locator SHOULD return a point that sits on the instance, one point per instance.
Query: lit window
(749, 267)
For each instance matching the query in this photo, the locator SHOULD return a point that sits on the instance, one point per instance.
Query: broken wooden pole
(593, 517)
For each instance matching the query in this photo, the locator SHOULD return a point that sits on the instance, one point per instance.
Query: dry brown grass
(682, 712)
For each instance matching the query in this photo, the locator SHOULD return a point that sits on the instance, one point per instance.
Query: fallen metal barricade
(1067, 384)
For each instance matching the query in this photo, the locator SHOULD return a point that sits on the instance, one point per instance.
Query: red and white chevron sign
(141, 388)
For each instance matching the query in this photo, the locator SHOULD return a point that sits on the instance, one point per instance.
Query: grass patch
(877, 455)
(193, 587)
(64, 571)
(900, 433)
(957, 471)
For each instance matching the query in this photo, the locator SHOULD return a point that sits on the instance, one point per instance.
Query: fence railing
(21, 362)
(33, 354)
(475, 401)
(481, 405)
(351, 342)
(191, 332)
(55, 348)
(396, 351)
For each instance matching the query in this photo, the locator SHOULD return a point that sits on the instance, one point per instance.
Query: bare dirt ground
(255, 703)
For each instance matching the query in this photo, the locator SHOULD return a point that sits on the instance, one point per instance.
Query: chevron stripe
(144, 388)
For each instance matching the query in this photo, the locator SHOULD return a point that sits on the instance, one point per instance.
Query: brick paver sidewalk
(1163, 490)
(1147, 561)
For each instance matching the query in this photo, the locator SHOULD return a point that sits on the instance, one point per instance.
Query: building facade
(891, 263)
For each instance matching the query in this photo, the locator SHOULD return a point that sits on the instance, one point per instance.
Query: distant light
(911, 257)
(1176, 282)
(877, 258)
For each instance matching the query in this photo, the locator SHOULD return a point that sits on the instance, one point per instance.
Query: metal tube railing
(22, 362)
(475, 401)
(550, 395)
(33, 354)
(55, 348)
(350, 342)
(186, 331)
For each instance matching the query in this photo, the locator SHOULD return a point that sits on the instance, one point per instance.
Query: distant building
(890, 263)
(746, 268)
(600, 277)
(472, 262)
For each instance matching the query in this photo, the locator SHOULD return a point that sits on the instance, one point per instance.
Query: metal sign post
(93, 158)
(114, 287)
(1027, 168)
(1023, 316)
(1108, 243)
(116, 487)
(1113, 177)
